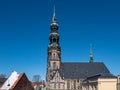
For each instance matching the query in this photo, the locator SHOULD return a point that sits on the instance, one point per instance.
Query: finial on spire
(54, 16)
(91, 55)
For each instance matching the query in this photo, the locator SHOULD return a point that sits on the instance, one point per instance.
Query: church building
(74, 75)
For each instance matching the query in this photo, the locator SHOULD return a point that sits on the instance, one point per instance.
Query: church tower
(73, 75)
(54, 50)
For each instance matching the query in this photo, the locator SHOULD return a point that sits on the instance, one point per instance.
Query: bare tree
(2, 76)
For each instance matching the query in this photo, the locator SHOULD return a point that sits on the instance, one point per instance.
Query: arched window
(68, 84)
(54, 65)
(74, 84)
(55, 85)
(54, 39)
(63, 86)
(59, 85)
(54, 56)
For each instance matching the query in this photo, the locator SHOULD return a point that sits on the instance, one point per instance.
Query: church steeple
(54, 50)
(91, 55)
(54, 25)
(54, 16)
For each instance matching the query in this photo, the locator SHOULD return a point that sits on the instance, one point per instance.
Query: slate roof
(82, 70)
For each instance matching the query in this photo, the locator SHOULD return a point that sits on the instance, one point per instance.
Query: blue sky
(25, 28)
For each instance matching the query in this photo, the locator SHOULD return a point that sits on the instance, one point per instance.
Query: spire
(54, 25)
(91, 55)
(54, 16)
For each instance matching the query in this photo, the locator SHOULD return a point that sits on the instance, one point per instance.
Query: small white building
(10, 81)
(17, 82)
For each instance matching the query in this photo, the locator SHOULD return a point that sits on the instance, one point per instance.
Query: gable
(57, 77)
(22, 83)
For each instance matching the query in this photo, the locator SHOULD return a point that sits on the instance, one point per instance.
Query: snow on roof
(10, 81)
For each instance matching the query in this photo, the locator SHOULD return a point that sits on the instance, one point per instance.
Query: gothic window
(54, 65)
(55, 85)
(54, 56)
(96, 87)
(55, 79)
(74, 84)
(68, 84)
(57, 75)
(63, 86)
(59, 85)
(87, 87)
